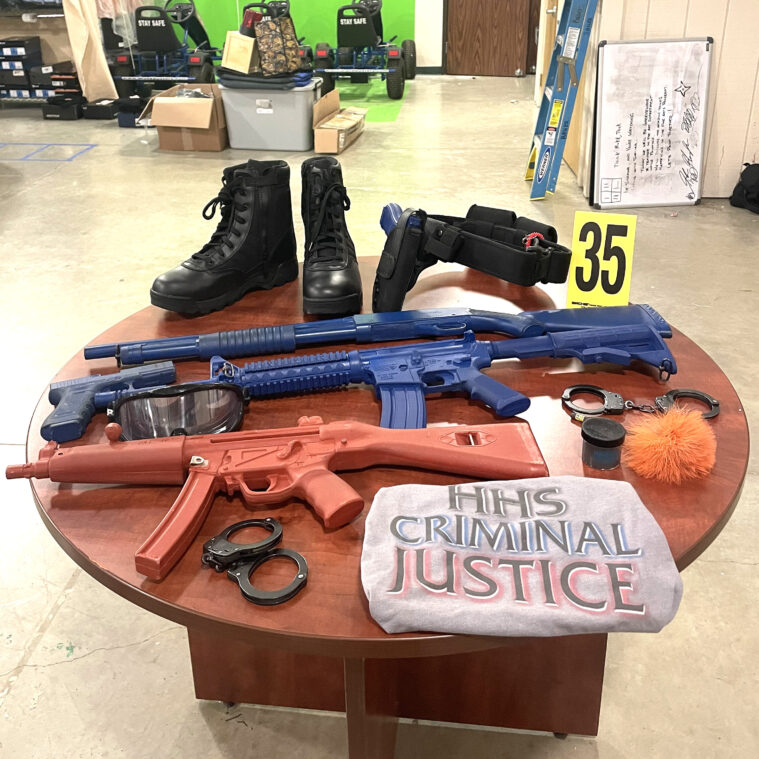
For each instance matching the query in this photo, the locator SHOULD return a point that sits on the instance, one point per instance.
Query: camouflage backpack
(277, 45)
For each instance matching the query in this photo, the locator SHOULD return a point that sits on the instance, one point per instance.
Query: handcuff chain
(646, 408)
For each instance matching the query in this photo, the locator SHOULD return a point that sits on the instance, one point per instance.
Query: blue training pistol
(75, 403)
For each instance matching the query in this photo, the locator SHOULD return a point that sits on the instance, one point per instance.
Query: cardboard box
(241, 53)
(196, 123)
(335, 128)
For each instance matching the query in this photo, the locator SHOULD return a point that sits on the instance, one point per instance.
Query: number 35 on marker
(602, 254)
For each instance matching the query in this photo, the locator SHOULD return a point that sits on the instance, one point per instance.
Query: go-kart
(160, 56)
(362, 53)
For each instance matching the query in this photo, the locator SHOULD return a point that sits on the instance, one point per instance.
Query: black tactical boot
(253, 247)
(331, 280)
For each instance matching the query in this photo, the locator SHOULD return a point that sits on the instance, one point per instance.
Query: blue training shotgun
(376, 328)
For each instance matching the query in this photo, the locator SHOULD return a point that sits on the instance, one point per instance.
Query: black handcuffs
(241, 560)
(614, 403)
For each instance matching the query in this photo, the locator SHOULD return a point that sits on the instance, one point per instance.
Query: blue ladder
(557, 104)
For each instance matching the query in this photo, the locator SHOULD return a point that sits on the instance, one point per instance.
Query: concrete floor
(84, 673)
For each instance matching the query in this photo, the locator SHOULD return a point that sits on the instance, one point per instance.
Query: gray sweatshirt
(533, 557)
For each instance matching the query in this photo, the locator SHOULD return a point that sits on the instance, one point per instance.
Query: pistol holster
(490, 240)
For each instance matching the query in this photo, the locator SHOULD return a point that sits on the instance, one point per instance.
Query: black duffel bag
(746, 192)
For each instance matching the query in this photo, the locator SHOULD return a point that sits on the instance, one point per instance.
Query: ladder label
(545, 162)
(570, 46)
(600, 271)
(555, 113)
(551, 136)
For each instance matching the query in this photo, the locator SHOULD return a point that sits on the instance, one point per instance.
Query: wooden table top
(101, 527)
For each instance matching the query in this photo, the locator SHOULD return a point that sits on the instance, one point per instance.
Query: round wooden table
(322, 649)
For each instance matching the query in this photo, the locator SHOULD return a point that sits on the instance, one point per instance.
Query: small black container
(602, 441)
(105, 108)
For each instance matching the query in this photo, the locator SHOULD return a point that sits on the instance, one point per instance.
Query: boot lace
(228, 200)
(327, 239)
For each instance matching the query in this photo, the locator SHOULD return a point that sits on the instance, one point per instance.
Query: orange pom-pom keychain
(675, 446)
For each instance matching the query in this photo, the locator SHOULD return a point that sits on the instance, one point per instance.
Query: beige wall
(732, 136)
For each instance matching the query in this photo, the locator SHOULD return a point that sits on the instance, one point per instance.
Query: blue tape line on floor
(39, 148)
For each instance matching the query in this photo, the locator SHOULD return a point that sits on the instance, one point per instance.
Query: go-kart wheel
(324, 59)
(323, 51)
(328, 81)
(408, 51)
(345, 56)
(203, 74)
(306, 57)
(124, 87)
(395, 84)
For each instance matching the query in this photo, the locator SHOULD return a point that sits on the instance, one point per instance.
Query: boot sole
(191, 307)
(348, 304)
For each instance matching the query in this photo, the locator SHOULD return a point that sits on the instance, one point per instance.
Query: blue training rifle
(403, 375)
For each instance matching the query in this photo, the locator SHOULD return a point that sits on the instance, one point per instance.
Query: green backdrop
(316, 20)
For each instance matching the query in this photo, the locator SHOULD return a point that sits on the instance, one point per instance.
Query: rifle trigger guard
(665, 370)
(220, 553)
(612, 403)
(665, 402)
(241, 573)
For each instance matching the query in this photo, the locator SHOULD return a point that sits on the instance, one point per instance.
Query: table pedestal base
(549, 684)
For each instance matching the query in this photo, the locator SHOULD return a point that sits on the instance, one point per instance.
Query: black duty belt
(516, 255)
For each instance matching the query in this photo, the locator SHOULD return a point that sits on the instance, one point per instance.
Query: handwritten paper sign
(650, 122)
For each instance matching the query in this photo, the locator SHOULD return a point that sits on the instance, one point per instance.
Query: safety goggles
(189, 409)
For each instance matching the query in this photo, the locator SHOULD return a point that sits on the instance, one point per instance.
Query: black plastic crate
(14, 78)
(55, 76)
(105, 108)
(24, 49)
(68, 112)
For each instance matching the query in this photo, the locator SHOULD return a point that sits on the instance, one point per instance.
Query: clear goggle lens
(180, 410)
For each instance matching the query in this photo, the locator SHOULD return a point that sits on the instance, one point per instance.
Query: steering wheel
(280, 7)
(374, 6)
(180, 12)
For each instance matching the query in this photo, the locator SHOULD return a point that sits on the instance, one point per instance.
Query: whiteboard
(650, 122)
